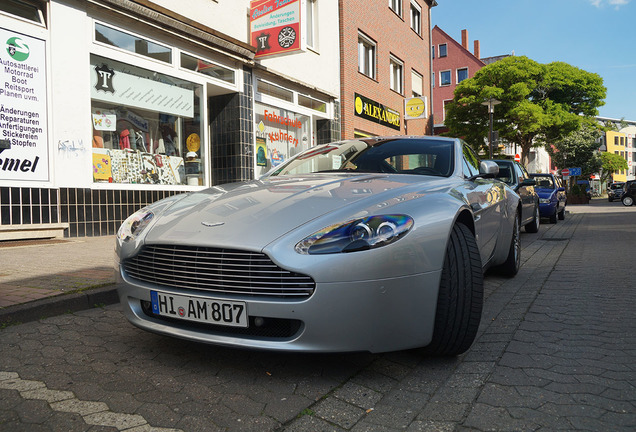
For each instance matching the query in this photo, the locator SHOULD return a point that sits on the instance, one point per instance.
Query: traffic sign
(517, 158)
(565, 172)
(575, 171)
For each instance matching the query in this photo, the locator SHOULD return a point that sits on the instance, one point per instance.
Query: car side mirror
(488, 169)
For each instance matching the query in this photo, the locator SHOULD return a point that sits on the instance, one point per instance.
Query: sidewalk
(45, 278)
(41, 278)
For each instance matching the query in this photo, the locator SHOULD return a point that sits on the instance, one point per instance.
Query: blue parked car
(552, 197)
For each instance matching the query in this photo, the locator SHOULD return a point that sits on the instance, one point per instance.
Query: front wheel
(533, 226)
(628, 201)
(513, 262)
(461, 295)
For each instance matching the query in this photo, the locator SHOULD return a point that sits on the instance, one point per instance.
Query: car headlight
(544, 200)
(355, 235)
(135, 224)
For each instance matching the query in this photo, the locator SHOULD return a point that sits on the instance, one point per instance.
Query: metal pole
(490, 135)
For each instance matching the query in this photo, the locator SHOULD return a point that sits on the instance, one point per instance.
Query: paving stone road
(556, 351)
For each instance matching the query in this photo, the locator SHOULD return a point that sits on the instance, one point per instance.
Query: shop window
(312, 103)
(28, 10)
(275, 91)
(135, 44)
(146, 126)
(207, 68)
(280, 134)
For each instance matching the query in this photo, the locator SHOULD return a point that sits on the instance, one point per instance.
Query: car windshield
(544, 182)
(396, 156)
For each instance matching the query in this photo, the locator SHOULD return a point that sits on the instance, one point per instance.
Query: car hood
(255, 213)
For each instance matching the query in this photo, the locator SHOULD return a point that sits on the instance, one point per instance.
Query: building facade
(113, 104)
(385, 67)
(452, 63)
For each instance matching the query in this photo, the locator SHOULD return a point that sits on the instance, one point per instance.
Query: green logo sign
(17, 49)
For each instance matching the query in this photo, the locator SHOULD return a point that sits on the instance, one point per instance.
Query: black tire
(461, 296)
(609, 199)
(513, 262)
(628, 201)
(562, 214)
(533, 226)
(553, 217)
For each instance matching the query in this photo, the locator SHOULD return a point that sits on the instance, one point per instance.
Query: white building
(108, 105)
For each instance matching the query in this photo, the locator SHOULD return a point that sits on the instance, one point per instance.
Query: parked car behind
(614, 191)
(629, 193)
(516, 176)
(552, 197)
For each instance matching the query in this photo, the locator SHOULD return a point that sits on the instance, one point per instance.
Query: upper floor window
(443, 50)
(433, 51)
(26, 9)
(366, 56)
(397, 75)
(417, 84)
(396, 6)
(462, 74)
(445, 78)
(273, 90)
(311, 20)
(416, 18)
(132, 43)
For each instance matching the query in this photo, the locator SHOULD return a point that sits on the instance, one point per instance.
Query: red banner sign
(275, 26)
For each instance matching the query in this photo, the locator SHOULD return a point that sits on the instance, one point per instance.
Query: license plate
(212, 311)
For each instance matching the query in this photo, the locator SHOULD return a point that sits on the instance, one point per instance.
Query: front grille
(224, 271)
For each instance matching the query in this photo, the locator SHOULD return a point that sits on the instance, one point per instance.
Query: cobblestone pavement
(556, 351)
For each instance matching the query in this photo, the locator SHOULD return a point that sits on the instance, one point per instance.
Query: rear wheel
(628, 201)
(533, 226)
(461, 295)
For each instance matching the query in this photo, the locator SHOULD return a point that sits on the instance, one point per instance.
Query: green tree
(578, 149)
(539, 102)
(611, 163)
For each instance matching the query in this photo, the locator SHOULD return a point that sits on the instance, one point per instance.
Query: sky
(594, 35)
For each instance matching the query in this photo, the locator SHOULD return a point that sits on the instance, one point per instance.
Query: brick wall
(393, 36)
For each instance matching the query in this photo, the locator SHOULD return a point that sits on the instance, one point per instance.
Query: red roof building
(452, 63)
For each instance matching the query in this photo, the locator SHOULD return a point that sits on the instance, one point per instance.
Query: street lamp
(490, 103)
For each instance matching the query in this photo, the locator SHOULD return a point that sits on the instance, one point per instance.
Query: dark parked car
(614, 191)
(629, 193)
(516, 176)
(552, 197)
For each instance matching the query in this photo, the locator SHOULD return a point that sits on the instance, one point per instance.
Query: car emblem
(212, 224)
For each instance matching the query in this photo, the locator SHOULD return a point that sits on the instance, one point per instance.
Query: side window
(519, 172)
(471, 162)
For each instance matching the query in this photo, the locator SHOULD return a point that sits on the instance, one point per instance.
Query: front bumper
(547, 209)
(372, 315)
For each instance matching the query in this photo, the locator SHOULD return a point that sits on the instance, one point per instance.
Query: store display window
(280, 134)
(146, 126)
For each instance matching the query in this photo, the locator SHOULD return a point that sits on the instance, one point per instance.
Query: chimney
(477, 50)
(465, 39)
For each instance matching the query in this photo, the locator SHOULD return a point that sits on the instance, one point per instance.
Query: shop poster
(261, 151)
(24, 153)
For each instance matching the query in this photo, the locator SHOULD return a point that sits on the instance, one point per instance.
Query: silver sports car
(372, 244)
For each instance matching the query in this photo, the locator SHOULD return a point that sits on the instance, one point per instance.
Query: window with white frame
(445, 78)
(443, 50)
(26, 9)
(311, 18)
(366, 56)
(396, 6)
(417, 84)
(462, 74)
(416, 18)
(396, 72)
